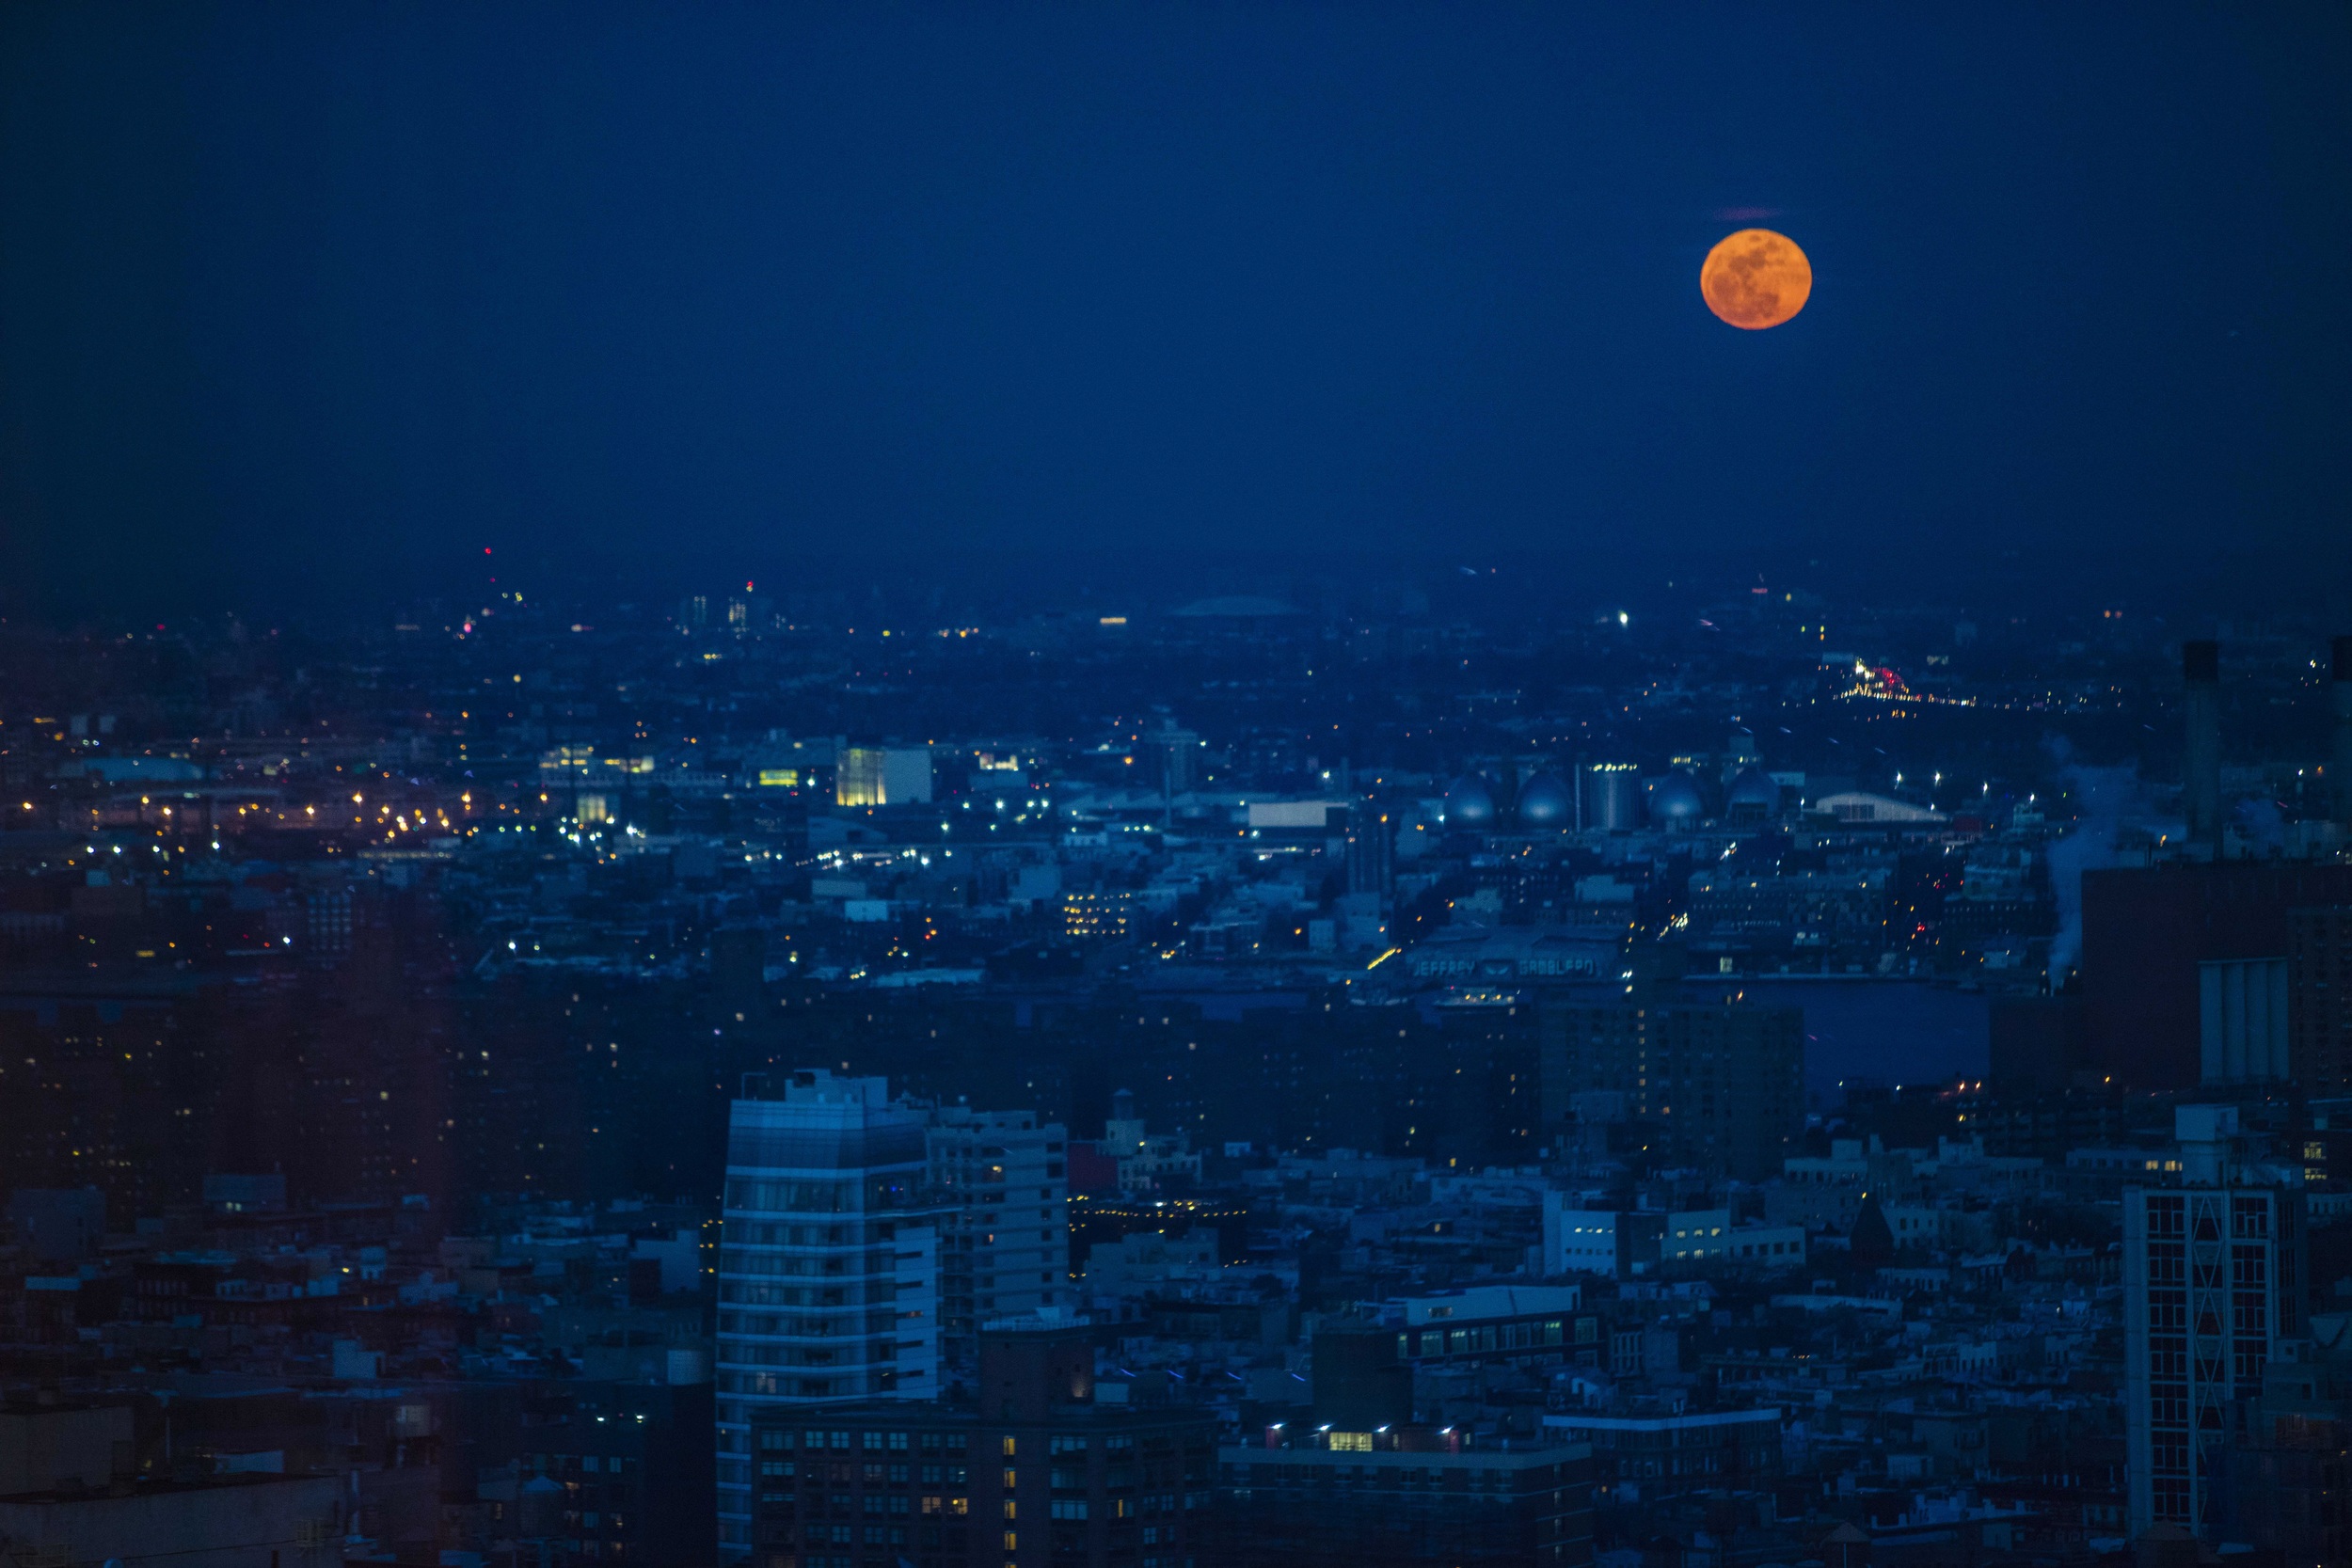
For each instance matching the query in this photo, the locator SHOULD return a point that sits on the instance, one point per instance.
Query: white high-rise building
(827, 1264)
(1000, 1179)
(2212, 1280)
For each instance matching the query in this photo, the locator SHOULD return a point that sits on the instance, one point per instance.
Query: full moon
(1755, 279)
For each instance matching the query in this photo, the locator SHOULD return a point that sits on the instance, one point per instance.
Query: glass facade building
(828, 1266)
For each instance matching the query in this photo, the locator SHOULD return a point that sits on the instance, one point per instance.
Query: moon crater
(1755, 279)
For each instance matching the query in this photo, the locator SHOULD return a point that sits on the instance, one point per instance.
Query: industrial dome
(1675, 800)
(1468, 803)
(1753, 787)
(1544, 803)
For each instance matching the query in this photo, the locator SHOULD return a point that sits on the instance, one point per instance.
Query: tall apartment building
(1719, 1086)
(1000, 1182)
(2213, 1279)
(828, 1269)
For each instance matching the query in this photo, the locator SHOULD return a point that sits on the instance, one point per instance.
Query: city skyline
(1175, 786)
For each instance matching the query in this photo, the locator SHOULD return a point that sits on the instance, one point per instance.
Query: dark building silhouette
(1476, 1100)
(2035, 1042)
(2145, 931)
(2319, 1000)
(1371, 850)
(1366, 1499)
(1040, 1465)
(2284, 1484)
(1720, 1083)
(1361, 1385)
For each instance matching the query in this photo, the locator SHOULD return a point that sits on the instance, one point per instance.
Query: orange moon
(1755, 279)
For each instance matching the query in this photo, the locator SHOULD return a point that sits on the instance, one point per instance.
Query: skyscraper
(2213, 1279)
(829, 1269)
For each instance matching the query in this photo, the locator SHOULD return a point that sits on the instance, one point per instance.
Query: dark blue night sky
(320, 298)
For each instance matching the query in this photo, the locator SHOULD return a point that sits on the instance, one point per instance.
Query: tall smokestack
(2201, 768)
(2340, 764)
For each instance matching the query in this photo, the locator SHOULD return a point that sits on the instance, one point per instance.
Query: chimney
(2340, 761)
(2201, 764)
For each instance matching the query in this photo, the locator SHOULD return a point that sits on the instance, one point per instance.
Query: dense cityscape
(1487, 784)
(1329, 1074)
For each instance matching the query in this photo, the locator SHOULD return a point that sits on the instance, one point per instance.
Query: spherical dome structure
(1468, 803)
(1754, 789)
(1544, 803)
(1675, 800)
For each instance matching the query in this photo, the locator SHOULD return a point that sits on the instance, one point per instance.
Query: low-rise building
(1032, 1468)
(1365, 1500)
(1666, 1456)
